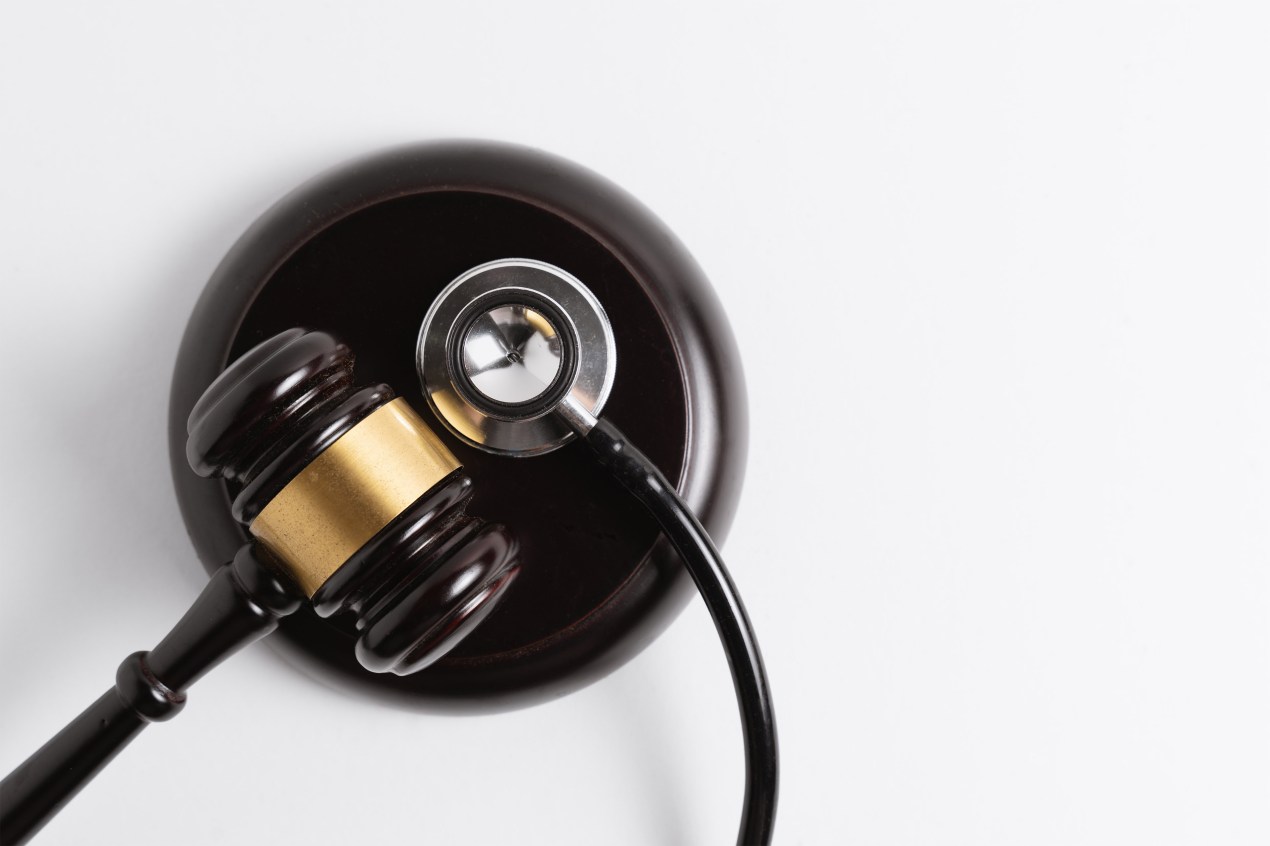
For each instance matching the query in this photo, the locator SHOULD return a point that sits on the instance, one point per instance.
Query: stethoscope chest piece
(494, 288)
(504, 345)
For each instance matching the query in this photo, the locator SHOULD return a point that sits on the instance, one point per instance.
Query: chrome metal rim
(532, 427)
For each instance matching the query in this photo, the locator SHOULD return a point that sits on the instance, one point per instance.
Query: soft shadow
(647, 716)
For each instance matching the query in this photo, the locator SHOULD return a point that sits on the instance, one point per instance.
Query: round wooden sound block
(361, 252)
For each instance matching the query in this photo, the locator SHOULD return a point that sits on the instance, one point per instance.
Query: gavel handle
(242, 603)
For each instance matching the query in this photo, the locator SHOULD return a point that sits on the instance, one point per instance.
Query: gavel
(353, 504)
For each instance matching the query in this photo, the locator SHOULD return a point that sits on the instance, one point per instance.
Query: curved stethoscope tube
(646, 483)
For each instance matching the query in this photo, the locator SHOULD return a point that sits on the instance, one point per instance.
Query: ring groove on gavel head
(355, 497)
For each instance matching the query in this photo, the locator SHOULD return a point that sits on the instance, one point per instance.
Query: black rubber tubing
(758, 721)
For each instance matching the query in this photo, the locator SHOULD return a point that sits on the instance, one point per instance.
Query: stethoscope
(355, 506)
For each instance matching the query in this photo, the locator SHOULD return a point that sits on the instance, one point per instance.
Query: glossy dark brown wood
(362, 251)
(243, 602)
(421, 584)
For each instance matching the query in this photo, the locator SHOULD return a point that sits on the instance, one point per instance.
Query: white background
(1003, 268)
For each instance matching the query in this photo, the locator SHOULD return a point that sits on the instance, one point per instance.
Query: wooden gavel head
(353, 496)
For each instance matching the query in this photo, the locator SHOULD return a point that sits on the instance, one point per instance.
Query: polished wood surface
(361, 252)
